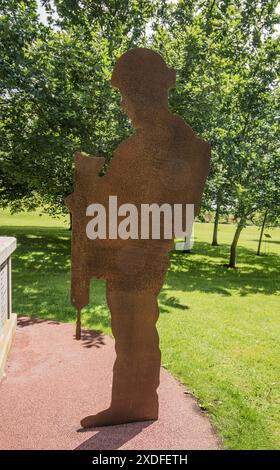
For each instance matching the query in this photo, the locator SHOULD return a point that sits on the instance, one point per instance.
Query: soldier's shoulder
(183, 127)
(125, 145)
(195, 148)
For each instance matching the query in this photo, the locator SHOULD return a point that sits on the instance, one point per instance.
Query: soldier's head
(143, 79)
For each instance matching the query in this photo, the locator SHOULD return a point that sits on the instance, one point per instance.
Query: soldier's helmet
(144, 72)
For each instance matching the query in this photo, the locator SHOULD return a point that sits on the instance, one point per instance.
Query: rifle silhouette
(86, 173)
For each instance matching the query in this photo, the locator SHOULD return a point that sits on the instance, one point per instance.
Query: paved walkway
(53, 381)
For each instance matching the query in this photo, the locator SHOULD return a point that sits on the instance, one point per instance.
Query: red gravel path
(53, 381)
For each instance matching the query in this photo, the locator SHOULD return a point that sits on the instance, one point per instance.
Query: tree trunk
(261, 234)
(216, 223)
(232, 258)
(70, 221)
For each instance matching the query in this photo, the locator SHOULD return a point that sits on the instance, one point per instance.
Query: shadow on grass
(40, 248)
(41, 276)
(204, 270)
(166, 302)
(274, 242)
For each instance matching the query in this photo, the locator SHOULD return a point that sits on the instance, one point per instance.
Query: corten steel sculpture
(162, 162)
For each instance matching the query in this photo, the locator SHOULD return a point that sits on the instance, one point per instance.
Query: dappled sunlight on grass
(219, 327)
(206, 271)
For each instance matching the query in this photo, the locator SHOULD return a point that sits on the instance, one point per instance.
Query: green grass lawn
(219, 328)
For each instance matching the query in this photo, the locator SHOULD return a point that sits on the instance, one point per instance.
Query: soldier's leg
(137, 366)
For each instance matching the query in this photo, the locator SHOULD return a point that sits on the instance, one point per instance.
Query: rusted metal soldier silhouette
(162, 162)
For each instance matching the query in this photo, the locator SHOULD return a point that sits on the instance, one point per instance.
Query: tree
(257, 188)
(18, 27)
(262, 230)
(226, 57)
(56, 96)
(268, 220)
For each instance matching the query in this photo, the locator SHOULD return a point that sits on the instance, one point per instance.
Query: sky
(43, 16)
(42, 12)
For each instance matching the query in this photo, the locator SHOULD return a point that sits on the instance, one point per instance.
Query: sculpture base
(6, 337)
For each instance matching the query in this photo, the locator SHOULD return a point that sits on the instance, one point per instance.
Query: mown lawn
(219, 328)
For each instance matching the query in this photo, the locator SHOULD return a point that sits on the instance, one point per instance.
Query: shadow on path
(112, 437)
(89, 338)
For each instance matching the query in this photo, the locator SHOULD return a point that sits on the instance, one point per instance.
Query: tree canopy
(56, 96)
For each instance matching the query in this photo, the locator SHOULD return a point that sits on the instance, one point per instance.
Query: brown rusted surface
(162, 162)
